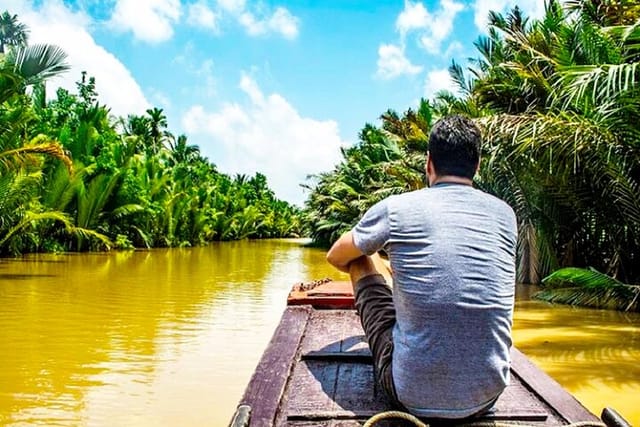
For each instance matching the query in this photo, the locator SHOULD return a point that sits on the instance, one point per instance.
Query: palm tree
(561, 98)
(181, 152)
(35, 63)
(157, 128)
(21, 173)
(12, 32)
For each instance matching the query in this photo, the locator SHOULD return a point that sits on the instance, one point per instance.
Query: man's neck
(451, 179)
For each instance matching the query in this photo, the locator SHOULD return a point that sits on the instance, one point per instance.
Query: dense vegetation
(558, 100)
(72, 177)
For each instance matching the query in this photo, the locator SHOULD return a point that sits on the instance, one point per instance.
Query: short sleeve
(372, 231)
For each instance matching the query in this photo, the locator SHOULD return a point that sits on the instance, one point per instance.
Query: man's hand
(343, 252)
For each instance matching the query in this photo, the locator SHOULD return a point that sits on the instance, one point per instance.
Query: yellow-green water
(171, 337)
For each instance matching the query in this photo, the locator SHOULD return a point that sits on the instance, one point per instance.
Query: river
(171, 337)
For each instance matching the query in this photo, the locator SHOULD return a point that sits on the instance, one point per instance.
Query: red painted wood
(331, 295)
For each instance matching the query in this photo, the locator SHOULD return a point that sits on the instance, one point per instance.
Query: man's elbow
(343, 252)
(333, 259)
(338, 262)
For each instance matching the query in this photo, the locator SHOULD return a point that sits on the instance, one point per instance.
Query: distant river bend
(171, 337)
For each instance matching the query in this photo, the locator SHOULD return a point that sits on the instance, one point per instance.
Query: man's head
(454, 148)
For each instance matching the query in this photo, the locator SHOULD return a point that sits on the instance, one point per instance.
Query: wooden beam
(265, 389)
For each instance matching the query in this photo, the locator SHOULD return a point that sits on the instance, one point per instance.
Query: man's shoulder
(404, 203)
(408, 197)
(425, 197)
(497, 203)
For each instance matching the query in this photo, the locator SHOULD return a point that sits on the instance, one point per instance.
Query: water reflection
(171, 337)
(593, 353)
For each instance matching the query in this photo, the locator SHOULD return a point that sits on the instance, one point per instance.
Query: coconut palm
(157, 128)
(12, 32)
(562, 95)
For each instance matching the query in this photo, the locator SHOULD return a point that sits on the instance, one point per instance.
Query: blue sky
(275, 86)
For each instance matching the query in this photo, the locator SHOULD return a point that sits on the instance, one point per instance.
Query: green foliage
(12, 32)
(74, 178)
(589, 288)
(558, 100)
(387, 160)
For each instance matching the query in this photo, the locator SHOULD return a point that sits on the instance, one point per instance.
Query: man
(440, 340)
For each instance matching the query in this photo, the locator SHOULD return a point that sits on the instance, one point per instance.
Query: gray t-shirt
(452, 251)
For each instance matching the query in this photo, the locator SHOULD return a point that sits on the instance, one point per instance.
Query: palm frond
(39, 62)
(39, 145)
(590, 288)
(32, 218)
(87, 234)
(597, 81)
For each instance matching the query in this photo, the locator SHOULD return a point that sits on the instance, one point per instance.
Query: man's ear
(430, 170)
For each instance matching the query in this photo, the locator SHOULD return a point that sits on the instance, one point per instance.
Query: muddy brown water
(171, 337)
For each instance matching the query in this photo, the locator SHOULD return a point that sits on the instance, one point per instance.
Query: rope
(394, 414)
(408, 417)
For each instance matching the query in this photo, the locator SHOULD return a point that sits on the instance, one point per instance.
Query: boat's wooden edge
(548, 389)
(264, 391)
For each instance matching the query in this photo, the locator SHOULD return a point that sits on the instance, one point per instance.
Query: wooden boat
(317, 371)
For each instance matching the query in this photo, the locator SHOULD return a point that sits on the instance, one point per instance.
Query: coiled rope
(418, 423)
(394, 414)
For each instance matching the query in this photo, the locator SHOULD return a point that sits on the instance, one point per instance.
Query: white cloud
(266, 135)
(432, 29)
(54, 23)
(251, 24)
(438, 80)
(440, 26)
(454, 47)
(160, 98)
(233, 6)
(414, 16)
(207, 79)
(392, 62)
(533, 8)
(281, 21)
(149, 20)
(199, 15)
(207, 82)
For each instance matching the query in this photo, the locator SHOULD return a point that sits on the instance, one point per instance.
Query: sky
(270, 86)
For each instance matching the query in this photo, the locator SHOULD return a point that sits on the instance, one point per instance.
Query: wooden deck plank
(317, 371)
(355, 396)
(325, 423)
(267, 384)
(312, 389)
(356, 390)
(325, 331)
(334, 331)
(353, 339)
(517, 402)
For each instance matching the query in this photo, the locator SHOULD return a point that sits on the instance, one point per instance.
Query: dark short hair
(454, 146)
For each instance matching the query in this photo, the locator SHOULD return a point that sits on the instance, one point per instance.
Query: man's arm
(343, 252)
